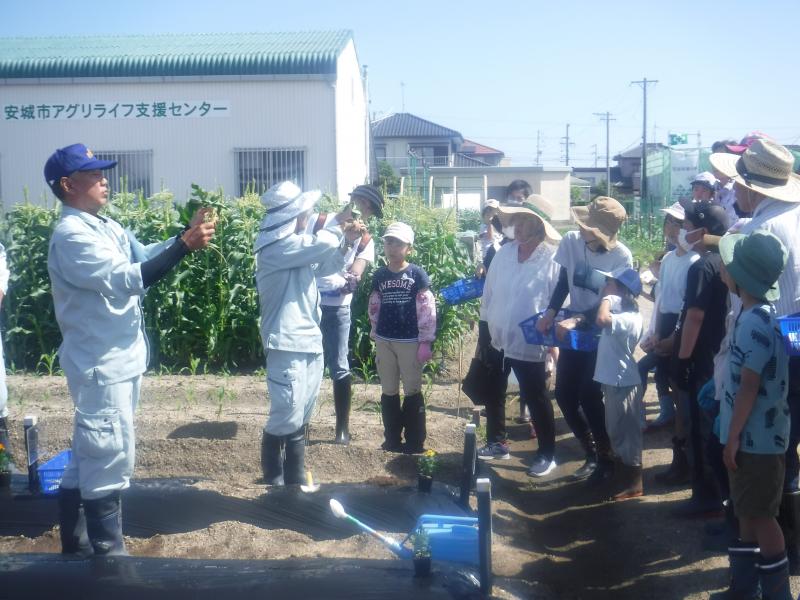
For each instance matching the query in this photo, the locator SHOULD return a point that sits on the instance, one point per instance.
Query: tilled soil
(553, 538)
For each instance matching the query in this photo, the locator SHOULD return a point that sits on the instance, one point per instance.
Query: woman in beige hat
(593, 247)
(519, 284)
(766, 185)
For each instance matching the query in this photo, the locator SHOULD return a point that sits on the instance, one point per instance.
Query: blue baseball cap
(70, 159)
(627, 277)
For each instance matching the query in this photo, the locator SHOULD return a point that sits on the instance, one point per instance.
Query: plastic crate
(452, 539)
(463, 290)
(585, 340)
(51, 472)
(790, 330)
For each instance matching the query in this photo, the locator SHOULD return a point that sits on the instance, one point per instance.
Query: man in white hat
(704, 185)
(766, 185)
(290, 318)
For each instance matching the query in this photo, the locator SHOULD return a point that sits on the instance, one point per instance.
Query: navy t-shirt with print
(397, 319)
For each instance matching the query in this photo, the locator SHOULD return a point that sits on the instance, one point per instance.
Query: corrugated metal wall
(297, 115)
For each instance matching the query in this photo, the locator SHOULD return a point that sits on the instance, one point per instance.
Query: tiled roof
(471, 147)
(408, 125)
(299, 53)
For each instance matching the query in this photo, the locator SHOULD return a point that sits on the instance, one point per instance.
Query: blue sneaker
(541, 466)
(496, 450)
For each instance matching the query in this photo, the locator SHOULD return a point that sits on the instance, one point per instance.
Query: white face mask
(683, 242)
(508, 231)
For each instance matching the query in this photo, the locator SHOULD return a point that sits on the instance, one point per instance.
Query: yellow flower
(2, 447)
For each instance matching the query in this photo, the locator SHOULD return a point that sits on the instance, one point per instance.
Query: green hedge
(206, 310)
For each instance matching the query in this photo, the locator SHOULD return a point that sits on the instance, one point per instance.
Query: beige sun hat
(765, 167)
(603, 217)
(537, 206)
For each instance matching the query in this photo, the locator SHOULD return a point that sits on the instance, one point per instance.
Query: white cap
(491, 203)
(484, 484)
(30, 420)
(675, 210)
(400, 231)
(705, 178)
(470, 429)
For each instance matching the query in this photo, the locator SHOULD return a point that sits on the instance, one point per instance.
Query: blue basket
(51, 472)
(790, 330)
(463, 290)
(584, 340)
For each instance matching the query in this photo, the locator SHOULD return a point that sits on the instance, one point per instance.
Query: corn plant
(206, 311)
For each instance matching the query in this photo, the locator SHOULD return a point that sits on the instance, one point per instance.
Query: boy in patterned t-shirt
(754, 415)
(402, 313)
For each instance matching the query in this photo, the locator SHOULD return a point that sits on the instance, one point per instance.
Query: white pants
(293, 381)
(103, 440)
(624, 410)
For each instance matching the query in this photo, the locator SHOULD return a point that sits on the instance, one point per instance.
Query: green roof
(300, 53)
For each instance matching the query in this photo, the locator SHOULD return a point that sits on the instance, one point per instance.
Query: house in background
(440, 165)
(229, 110)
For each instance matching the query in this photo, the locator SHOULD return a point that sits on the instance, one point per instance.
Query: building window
(380, 153)
(133, 173)
(258, 169)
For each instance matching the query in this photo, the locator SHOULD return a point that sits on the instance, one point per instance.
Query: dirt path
(553, 539)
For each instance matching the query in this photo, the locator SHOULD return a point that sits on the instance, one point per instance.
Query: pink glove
(424, 353)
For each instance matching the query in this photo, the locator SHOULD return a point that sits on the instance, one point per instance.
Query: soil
(552, 537)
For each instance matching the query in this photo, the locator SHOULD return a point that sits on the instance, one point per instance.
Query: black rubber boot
(773, 574)
(272, 458)
(294, 468)
(789, 520)
(341, 402)
(678, 472)
(414, 423)
(104, 525)
(590, 464)
(743, 558)
(72, 521)
(392, 422)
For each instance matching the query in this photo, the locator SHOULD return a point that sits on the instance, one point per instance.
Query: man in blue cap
(99, 274)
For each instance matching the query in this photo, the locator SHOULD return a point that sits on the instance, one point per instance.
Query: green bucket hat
(754, 261)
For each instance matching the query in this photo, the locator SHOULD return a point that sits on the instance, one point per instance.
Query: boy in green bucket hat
(754, 415)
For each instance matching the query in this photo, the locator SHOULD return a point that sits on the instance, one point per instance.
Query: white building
(227, 110)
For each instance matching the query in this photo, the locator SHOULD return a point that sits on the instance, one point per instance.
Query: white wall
(352, 167)
(263, 113)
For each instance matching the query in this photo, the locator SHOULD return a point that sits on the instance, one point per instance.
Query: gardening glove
(424, 353)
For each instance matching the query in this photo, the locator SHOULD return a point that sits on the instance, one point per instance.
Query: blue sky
(500, 71)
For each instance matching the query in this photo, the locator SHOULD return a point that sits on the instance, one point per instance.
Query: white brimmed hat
(765, 167)
(284, 203)
(536, 206)
(400, 231)
(675, 210)
(707, 179)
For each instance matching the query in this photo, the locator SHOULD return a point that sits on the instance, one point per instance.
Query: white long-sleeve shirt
(515, 291)
(97, 289)
(287, 288)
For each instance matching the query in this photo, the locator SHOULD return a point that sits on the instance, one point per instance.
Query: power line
(565, 141)
(606, 116)
(643, 176)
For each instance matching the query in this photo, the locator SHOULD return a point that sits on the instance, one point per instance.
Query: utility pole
(699, 145)
(567, 144)
(606, 116)
(403, 96)
(643, 185)
(538, 147)
(594, 151)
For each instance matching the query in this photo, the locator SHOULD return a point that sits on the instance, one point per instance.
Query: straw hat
(284, 203)
(536, 206)
(764, 167)
(603, 217)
